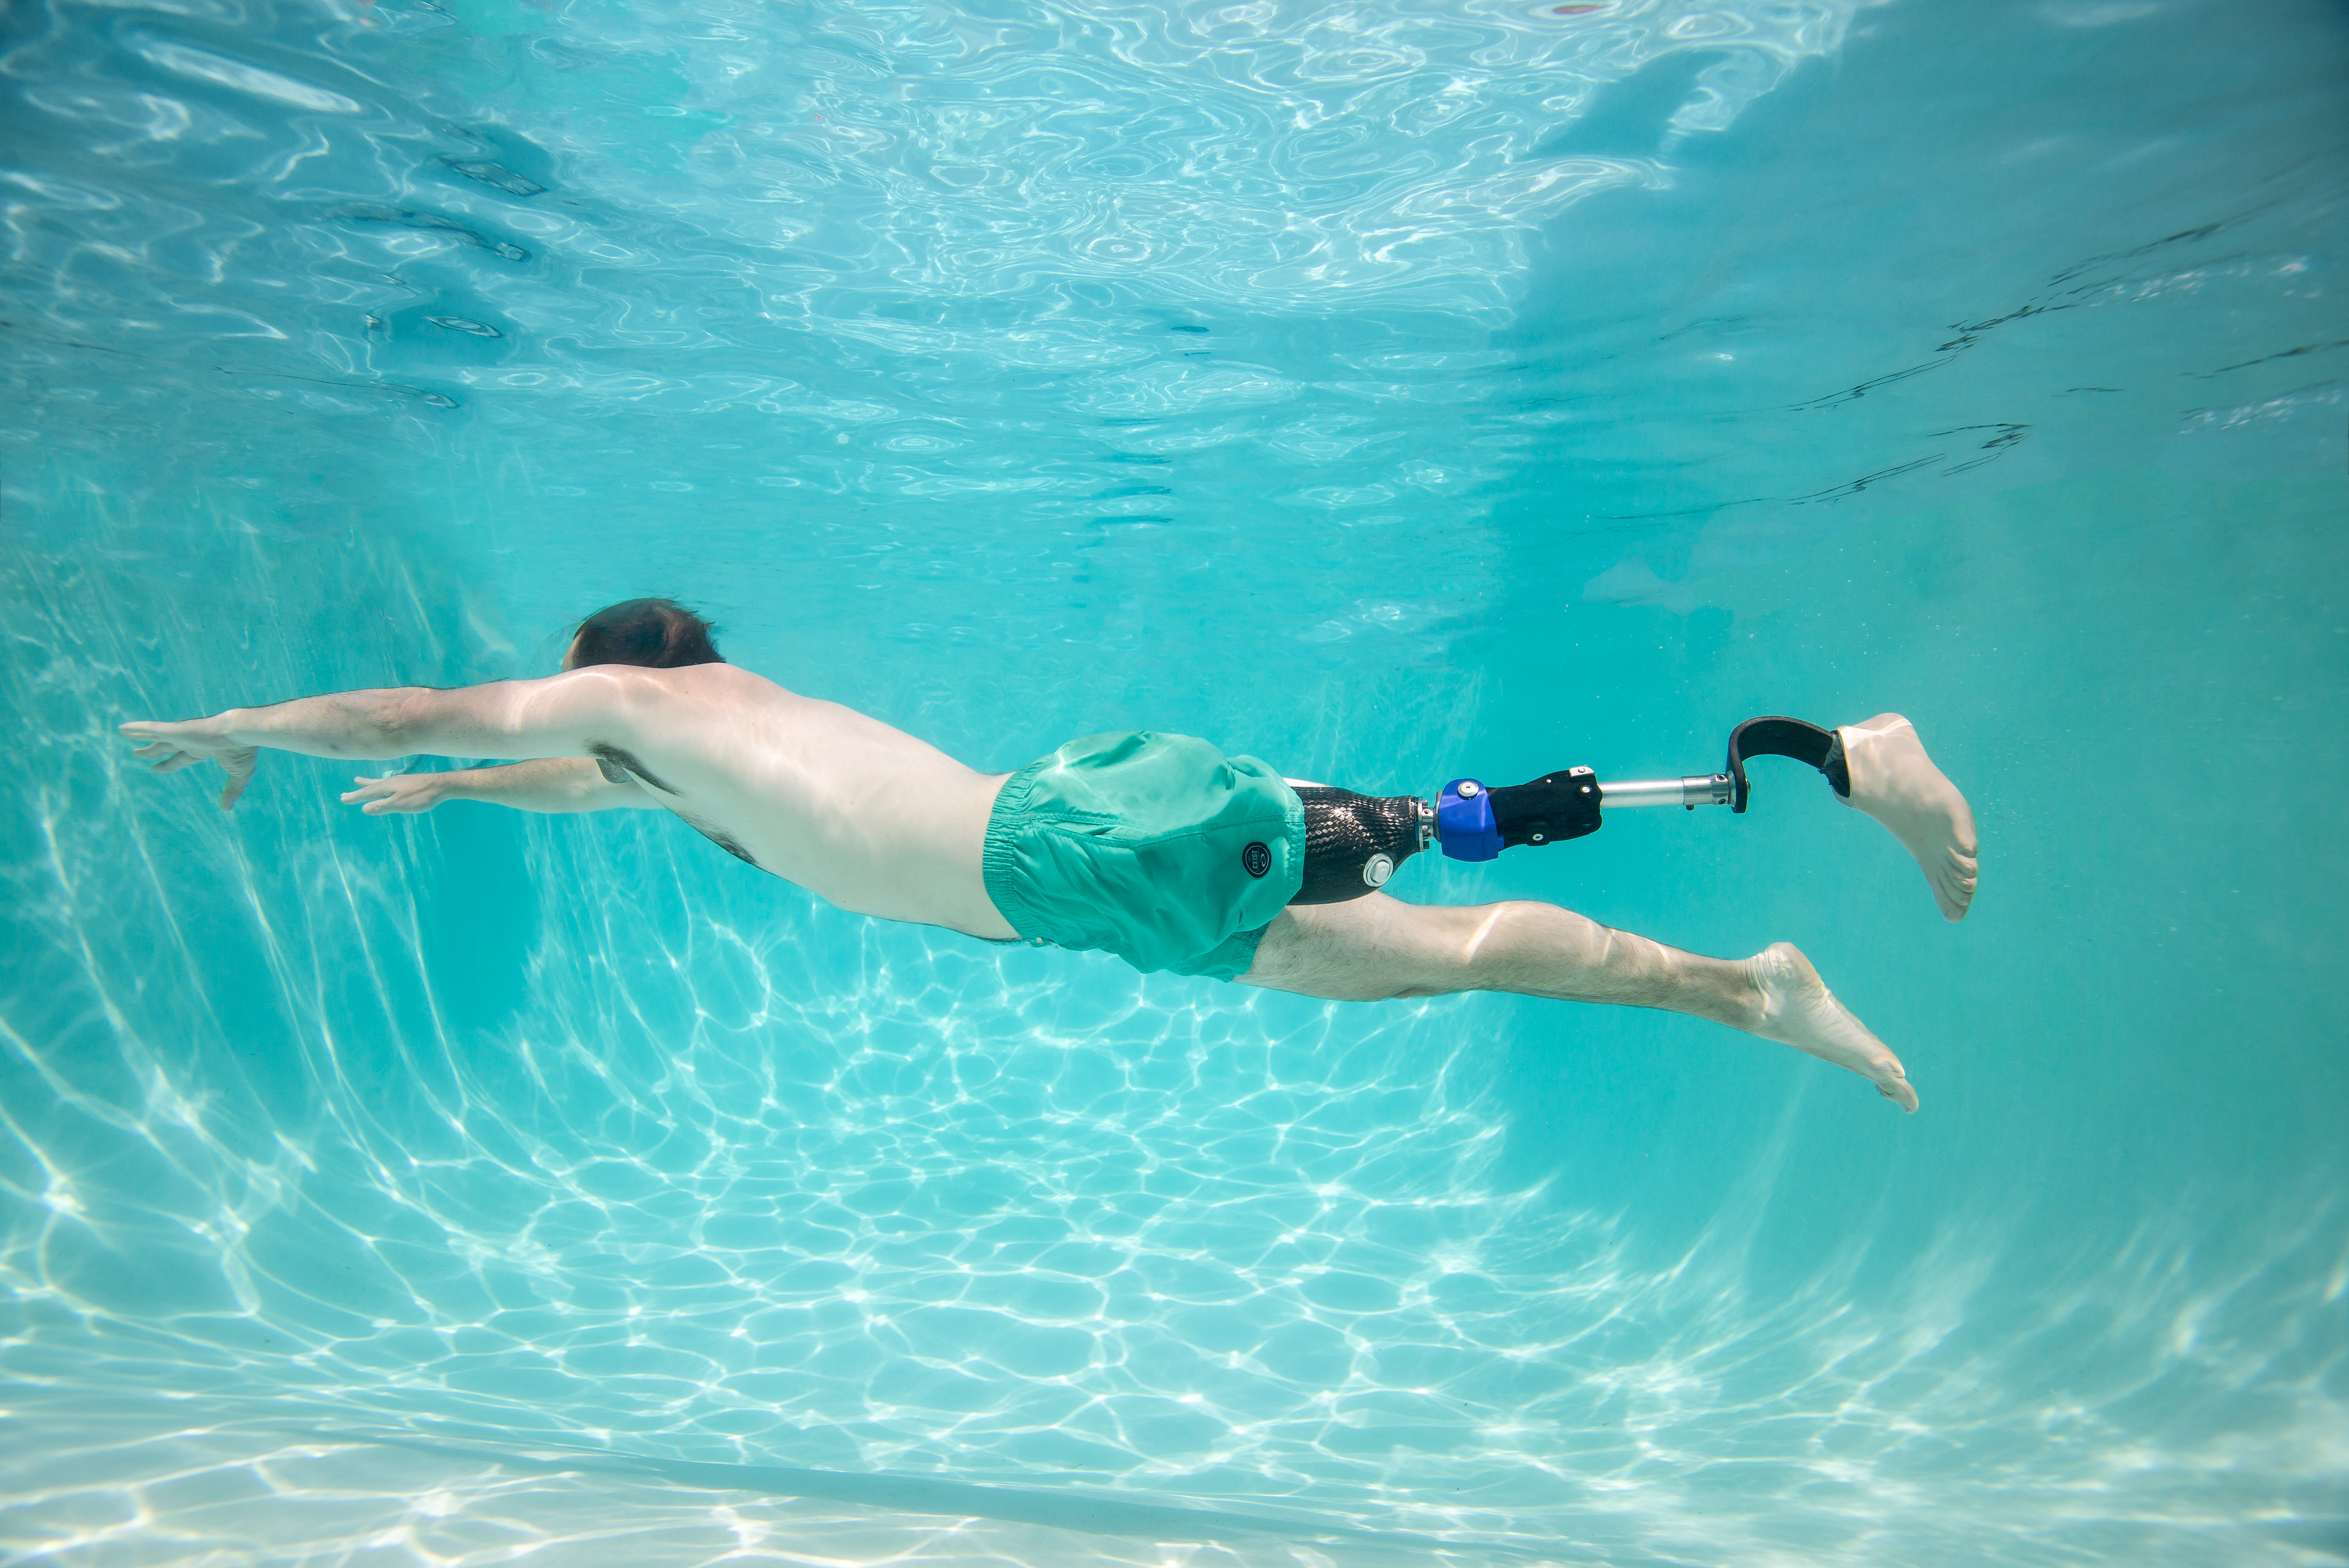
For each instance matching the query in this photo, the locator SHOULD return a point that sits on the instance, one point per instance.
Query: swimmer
(1157, 848)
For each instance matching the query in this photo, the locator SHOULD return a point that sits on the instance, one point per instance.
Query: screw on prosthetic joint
(1776, 737)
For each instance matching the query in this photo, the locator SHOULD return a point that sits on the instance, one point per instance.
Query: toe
(1956, 897)
(1891, 1079)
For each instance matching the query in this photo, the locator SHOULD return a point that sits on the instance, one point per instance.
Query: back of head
(656, 634)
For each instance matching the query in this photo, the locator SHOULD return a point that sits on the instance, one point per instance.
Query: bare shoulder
(679, 704)
(632, 686)
(726, 689)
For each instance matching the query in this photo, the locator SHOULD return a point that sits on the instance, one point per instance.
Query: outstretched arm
(548, 717)
(547, 784)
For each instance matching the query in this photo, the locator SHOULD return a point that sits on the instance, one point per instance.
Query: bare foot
(1895, 782)
(1798, 1010)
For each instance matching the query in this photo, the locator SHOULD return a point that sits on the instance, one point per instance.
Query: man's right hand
(399, 793)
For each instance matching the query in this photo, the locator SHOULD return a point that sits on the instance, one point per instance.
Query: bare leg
(1373, 948)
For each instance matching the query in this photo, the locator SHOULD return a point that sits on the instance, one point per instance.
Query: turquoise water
(1390, 391)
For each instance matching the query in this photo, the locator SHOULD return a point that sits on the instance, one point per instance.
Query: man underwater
(1156, 848)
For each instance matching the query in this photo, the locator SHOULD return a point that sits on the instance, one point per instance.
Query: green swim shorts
(1157, 848)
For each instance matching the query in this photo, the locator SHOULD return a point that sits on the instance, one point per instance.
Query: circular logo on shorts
(1256, 859)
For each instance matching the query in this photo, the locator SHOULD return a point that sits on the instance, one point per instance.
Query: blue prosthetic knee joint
(1464, 821)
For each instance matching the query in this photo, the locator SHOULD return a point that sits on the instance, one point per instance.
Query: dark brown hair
(657, 634)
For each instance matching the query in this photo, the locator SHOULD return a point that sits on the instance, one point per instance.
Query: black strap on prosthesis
(1822, 748)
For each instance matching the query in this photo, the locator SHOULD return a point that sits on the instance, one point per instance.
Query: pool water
(1390, 391)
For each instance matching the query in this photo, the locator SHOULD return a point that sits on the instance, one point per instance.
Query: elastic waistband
(996, 858)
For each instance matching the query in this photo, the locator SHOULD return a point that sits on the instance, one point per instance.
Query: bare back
(862, 815)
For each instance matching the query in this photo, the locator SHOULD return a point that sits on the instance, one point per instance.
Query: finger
(156, 748)
(177, 760)
(235, 788)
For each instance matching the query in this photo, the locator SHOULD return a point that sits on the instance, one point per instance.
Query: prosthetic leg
(1354, 842)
